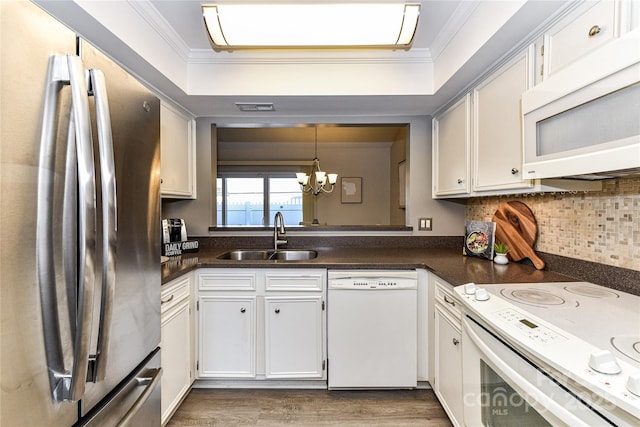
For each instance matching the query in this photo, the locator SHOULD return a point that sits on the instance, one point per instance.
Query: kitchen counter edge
(448, 264)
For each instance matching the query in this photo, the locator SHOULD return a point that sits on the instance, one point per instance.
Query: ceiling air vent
(256, 106)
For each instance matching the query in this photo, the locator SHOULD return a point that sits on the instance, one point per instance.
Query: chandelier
(318, 181)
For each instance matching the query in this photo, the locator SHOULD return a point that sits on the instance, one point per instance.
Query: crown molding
(455, 23)
(159, 24)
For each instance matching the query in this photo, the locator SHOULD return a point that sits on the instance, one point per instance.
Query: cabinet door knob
(242, 310)
(456, 341)
(514, 171)
(460, 180)
(593, 31)
(277, 310)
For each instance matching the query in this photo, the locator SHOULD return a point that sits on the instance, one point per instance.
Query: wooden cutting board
(516, 227)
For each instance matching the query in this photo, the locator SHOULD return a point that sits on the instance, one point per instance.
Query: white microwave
(584, 121)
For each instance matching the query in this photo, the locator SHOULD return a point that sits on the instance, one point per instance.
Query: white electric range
(581, 338)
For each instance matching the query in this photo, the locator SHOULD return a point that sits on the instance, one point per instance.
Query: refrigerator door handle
(97, 86)
(150, 384)
(66, 385)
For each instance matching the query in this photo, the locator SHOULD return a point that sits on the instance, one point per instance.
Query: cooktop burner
(591, 312)
(627, 345)
(591, 291)
(533, 296)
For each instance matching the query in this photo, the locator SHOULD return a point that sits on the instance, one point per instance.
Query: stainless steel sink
(246, 254)
(293, 255)
(269, 254)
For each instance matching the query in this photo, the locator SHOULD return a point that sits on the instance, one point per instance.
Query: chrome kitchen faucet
(279, 233)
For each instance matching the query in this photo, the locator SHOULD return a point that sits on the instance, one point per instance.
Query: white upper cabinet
(497, 133)
(591, 25)
(451, 150)
(178, 147)
(576, 36)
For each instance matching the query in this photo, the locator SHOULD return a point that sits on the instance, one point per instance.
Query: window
(253, 199)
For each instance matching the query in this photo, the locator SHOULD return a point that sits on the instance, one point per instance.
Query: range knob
(633, 383)
(604, 362)
(470, 288)
(482, 294)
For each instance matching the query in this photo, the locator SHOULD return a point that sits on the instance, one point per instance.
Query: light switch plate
(425, 224)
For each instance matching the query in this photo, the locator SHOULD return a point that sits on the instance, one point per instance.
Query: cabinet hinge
(324, 365)
(197, 365)
(542, 50)
(322, 305)
(198, 305)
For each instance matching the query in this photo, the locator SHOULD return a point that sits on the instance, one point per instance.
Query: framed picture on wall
(402, 183)
(351, 190)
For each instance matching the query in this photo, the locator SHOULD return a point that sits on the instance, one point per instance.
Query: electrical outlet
(425, 224)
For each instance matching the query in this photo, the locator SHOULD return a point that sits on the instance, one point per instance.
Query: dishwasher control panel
(376, 283)
(372, 280)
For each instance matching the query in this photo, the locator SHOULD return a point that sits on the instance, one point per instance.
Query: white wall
(448, 217)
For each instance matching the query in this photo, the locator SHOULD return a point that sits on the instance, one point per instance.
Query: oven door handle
(540, 399)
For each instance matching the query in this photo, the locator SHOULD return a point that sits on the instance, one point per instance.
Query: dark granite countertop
(449, 264)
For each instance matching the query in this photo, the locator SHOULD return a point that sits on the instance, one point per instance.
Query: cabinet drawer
(227, 281)
(303, 280)
(173, 293)
(445, 299)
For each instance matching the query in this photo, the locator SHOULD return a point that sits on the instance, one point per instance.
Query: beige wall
(602, 227)
(398, 153)
(369, 161)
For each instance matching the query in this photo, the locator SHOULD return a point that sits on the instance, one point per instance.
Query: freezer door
(29, 38)
(135, 402)
(132, 316)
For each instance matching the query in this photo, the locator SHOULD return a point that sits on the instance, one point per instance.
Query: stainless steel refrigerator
(79, 193)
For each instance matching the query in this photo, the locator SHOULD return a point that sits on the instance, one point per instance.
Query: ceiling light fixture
(311, 25)
(318, 181)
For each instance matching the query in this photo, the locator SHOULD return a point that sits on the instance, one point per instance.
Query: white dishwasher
(372, 325)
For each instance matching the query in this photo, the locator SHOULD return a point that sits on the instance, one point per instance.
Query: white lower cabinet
(293, 337)
(175, 344)
(448, 352)
(227, 336)
(261, 324)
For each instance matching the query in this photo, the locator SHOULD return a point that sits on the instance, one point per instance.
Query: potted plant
(501, 250)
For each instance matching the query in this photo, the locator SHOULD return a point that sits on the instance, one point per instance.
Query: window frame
(265, 175)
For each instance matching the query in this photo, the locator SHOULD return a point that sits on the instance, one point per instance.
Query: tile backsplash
(598, 226)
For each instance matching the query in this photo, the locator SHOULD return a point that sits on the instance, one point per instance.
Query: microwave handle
(549, 404)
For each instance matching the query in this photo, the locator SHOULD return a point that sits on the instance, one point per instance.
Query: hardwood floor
(232, 407)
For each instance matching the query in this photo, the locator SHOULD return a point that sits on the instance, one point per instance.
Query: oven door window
(501, 388)
(502, 405)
